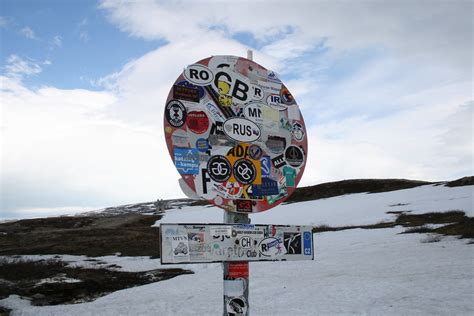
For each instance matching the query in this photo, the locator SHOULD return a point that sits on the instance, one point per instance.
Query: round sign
(235, 134)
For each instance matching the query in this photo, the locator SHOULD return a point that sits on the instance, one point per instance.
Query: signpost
(238, 139)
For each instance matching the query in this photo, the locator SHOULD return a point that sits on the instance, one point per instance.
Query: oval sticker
(242, 130)
(198, 74)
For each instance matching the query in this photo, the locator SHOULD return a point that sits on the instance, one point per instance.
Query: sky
(385, 88)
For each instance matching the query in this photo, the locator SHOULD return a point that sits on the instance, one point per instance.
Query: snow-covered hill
(357, 271)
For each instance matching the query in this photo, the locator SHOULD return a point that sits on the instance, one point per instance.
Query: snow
(374, 272)
(349, 209)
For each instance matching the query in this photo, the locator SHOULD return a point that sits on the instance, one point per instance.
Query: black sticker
(219, 168)
(244, 206)
(217, 128)
(278, 161)
(175, 113)
(186, 93)
(292, 243)
(294, 156)
(244, 171)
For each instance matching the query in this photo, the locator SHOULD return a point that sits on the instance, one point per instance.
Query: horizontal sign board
(203, 243)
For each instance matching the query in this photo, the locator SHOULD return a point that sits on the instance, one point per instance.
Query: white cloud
(60, 149)
(57, 41)
(28, 32)
(18, 67)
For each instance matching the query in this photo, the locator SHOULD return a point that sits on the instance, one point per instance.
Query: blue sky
(385, 88)
(74, 34)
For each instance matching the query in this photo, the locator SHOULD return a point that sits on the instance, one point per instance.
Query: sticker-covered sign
(236, 135)
(201, 243)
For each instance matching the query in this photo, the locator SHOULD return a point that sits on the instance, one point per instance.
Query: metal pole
(236, 276)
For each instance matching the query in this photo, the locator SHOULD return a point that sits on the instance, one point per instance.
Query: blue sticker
(186, 160)
(202, 145)
(307, 244)
(268, 187)
(266, 166)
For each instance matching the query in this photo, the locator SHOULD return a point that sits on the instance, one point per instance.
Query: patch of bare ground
(52, 282)
(451, 223)
(129, 235)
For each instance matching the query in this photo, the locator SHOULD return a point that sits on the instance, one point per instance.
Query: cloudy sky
(385, 88)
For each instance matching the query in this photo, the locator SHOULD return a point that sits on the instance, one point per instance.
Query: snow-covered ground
(349, 209)
(375, 272)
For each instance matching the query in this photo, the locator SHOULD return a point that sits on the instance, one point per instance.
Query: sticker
(278, 161)
(285, 124)
(196, 237)
(197, 122)
(294, 156)
(168, 129)
(290, 175)
(198, 74)
(276, 144)
(180, 247)
(219, 168)
(244, 171)
(244, 206)
(236, 306)
(257, 92)
(238, 270)
(221, 233)
(233, 88)
(215, 112)
(297, 131)
(253, 111)
(175, 113)
(272, 76)
(268, 187)
(274, 101)
(271, 247)
(186, 93)
(217, 128)
(307, 244)
(265, 166)
(286, 96)
(255, 152)
(233, 288)
(292, 243)
(245, 242)
(229, 190)
(202, 144)
(186, 160)
(241, 130)
(180, 138)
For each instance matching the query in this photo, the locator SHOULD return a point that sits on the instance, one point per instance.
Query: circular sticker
(294, 156)
(235, 134)
(219, 168)
(176, 113)
(197, 122)
(244, 171)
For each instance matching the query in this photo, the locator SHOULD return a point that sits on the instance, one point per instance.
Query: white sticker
(180, 247)
(242, 130)
(198, 74)
(233, 287)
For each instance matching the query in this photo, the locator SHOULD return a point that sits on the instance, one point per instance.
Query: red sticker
(238, 270)
(197, 122)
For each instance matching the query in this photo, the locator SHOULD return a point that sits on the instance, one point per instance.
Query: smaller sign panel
(203, 243)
